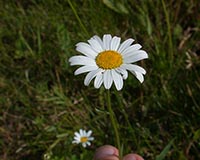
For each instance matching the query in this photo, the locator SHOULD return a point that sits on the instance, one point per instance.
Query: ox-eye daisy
(83, 137)
(108, 61)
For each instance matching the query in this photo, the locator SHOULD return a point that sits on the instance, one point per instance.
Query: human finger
(133, 157)
(106, 152)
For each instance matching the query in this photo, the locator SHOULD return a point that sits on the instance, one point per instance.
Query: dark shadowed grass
(43, 103)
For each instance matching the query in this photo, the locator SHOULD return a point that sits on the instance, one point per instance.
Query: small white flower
(108, 61)
(83, 137)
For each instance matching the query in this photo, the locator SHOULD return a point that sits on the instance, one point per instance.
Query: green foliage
(116, 6)
(42, 103)
(165, 151)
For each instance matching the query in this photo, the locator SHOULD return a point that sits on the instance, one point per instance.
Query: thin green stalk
(168, 30)
(119, 100)
(114, 122)
(77, 17)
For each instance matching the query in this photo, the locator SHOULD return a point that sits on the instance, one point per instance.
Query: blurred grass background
(42, 103)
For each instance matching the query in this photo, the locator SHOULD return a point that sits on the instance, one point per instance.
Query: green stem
(114, 122)
(77, 17)
(168, 30)
(120, 100)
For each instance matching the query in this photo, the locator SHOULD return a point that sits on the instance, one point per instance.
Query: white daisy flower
(83, 137)
(108, 61)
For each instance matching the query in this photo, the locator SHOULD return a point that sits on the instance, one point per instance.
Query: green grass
(42, 103)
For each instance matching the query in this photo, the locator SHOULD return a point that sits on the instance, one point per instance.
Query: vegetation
(42, 103)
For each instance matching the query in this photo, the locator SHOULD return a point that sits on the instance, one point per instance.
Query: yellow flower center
(84, 139)
(109, 59)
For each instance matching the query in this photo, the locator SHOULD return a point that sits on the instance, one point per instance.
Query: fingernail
(109, 151)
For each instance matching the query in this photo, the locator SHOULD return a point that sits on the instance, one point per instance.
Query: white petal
(139, 55)
(114, 44)
(117, 78)
(90, 76)
(77, 138)
(106, 41)
(85, 133)
(84, 69)
(88, 143)
(98, 80)
(89, 133)
(139, 76)
(133, 67)
(81, 132)
(123, 72)
(98, 39)
(86, 49)
(107, 78)
(90, 138)
(82, 60)
(84, 145)
(125, 44)
(77, 134)
(96, 46)
(77, 142)
(131, 49)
